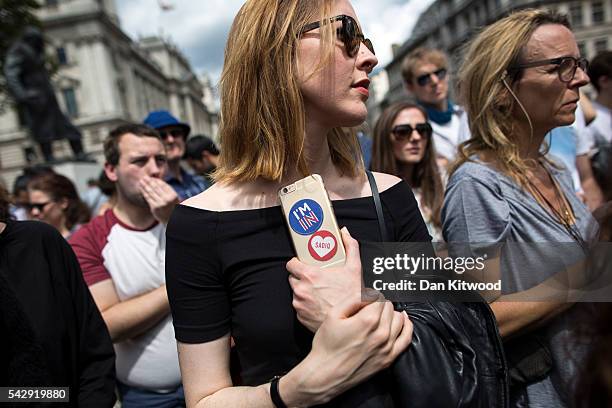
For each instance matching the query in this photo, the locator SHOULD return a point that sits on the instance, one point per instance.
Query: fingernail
(370, 295)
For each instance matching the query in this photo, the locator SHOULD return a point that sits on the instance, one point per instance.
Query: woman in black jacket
(52, 332)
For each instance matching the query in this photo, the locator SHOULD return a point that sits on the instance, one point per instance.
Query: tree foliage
(15, 15)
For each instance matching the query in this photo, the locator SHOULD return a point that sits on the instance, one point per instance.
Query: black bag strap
(378, 205)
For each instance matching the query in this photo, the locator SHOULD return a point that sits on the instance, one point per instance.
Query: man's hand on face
(160, 196)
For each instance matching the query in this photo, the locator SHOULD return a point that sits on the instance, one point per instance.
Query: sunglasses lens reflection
(352, 37)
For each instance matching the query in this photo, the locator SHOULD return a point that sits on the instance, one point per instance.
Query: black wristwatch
(274, 394)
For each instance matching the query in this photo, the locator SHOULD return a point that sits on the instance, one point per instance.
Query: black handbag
(529, 359)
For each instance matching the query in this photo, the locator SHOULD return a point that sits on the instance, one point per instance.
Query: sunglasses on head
(173, 132)
(425, 79)
(39, 206)
(404, 132)
(350, 34)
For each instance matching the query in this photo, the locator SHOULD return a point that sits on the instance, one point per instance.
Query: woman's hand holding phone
(317, 290)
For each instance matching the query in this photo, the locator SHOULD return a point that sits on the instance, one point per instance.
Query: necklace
(565, 214)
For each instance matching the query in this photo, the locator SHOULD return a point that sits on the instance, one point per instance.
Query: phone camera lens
(285, 190)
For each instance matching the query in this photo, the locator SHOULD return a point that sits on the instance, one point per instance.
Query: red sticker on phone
(322, 245)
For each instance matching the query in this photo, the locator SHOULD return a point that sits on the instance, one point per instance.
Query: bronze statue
(28, 82)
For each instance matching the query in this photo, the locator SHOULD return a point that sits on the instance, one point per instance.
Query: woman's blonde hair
(262, 121)
(485, 89)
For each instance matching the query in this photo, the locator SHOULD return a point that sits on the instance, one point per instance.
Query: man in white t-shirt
(122, 255)
(425, 73)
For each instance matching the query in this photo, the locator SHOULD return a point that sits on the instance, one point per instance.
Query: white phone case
(311, 222)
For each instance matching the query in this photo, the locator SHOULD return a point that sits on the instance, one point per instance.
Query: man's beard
(134, 198)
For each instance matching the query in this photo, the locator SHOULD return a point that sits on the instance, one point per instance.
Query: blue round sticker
(306, 217)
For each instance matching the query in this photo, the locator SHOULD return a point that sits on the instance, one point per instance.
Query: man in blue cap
(174, 134)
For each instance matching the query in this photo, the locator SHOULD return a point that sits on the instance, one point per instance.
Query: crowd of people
(172, 281)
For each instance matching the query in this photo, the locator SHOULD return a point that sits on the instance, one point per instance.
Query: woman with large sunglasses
(403, 146)
(520, 79)
(296, 74)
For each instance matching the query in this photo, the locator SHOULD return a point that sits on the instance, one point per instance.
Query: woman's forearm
(296, 388)
(516, 317)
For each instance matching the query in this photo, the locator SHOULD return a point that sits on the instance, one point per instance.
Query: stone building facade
(105, 79)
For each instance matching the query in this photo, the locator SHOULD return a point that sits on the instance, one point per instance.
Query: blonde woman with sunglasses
(295, 73)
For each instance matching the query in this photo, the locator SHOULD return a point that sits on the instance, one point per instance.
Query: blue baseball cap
(162, 118)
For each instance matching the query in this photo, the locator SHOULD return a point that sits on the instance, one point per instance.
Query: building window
(62, 57)
(71, 103)
(582, 49)
(601, 45)
(575, 10)
(597, 9)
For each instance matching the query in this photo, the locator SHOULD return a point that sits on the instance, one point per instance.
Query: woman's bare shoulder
(213, 198)
(234, 197)
(385, 181)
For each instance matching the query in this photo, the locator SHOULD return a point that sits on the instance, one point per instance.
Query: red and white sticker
(322, 245)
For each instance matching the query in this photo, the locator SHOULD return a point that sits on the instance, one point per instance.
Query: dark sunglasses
(350, 34)
(425, 79)
(566, 66)
(174, 133)
(39, 206)
(404, 132)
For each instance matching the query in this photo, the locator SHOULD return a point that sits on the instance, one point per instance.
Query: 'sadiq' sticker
(322, 245)
(306, 217)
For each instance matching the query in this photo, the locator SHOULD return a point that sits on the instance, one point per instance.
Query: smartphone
(311, 222)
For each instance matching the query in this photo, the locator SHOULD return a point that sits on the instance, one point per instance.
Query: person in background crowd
(202, 156)
(21, 198)
(594, 388)
(600, 72)
(52, 332)
(5, 213)
(94, 197)
(425, 73)
(520, 79)
(174, 134)
(589, 187)
(109, 189)
(571, 145)
(53, 199)
(365, 142)
(122, 257)
(403, 146)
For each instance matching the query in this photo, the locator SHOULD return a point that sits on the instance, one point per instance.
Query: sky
(200, 27)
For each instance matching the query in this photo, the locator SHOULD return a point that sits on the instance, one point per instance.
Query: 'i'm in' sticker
(322, 245)
(306, 217)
